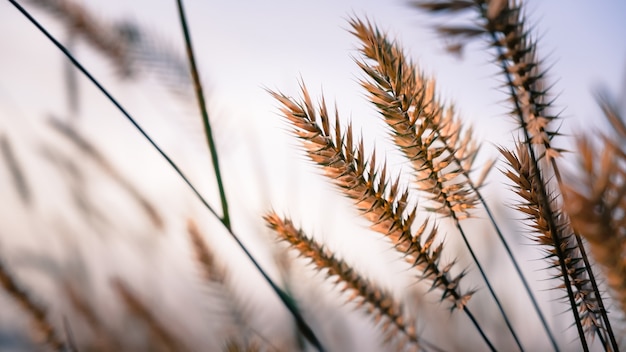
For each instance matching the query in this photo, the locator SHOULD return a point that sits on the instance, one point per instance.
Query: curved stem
(205, 115)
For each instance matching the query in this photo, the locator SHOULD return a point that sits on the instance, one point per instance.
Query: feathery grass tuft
(165, 339)
(104, 340)
(212, 271)
(215, 273)
(596, 203)
(504, 26)
(40, 320)
(379, 200)
(554, 233)
(15, 169)
(429, 134)
(110, 43)
(380, 303)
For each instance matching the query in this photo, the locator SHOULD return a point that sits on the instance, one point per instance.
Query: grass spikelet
(15, 170)
(83, 144)
(358, 179)
(378, 200)
(507, 27)
(517, 54)
(129, 46)
(428, 134)
(596, 204)
(140, 310)
(554, 233)
(215, 273)
(379, 303)
(39, 318)
(504, 26)
(211, 270)
(109, 43)
(234, 346)
(103, 341)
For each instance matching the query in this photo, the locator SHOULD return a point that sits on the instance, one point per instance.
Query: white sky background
(242, 48)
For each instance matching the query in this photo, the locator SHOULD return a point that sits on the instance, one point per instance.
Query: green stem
(284, 297)
(205, 115)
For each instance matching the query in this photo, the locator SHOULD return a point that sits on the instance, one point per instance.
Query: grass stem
(286, 299)
(197, 84)
(489, 287)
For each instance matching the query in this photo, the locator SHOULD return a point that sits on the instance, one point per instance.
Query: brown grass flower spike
(380, 303)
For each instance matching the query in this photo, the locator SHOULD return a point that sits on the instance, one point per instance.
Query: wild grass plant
(419, 200)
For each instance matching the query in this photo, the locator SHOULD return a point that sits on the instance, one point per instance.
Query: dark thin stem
(603, 341)
(596, 291)
(518, 269)
(457, 223)
(555, 168)
(544, 199)
(205, 115)
(448, 205)
(532, 153)
(286, 299)
(40, 319)
(592, 277)
(480, 330)
(482, 273)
